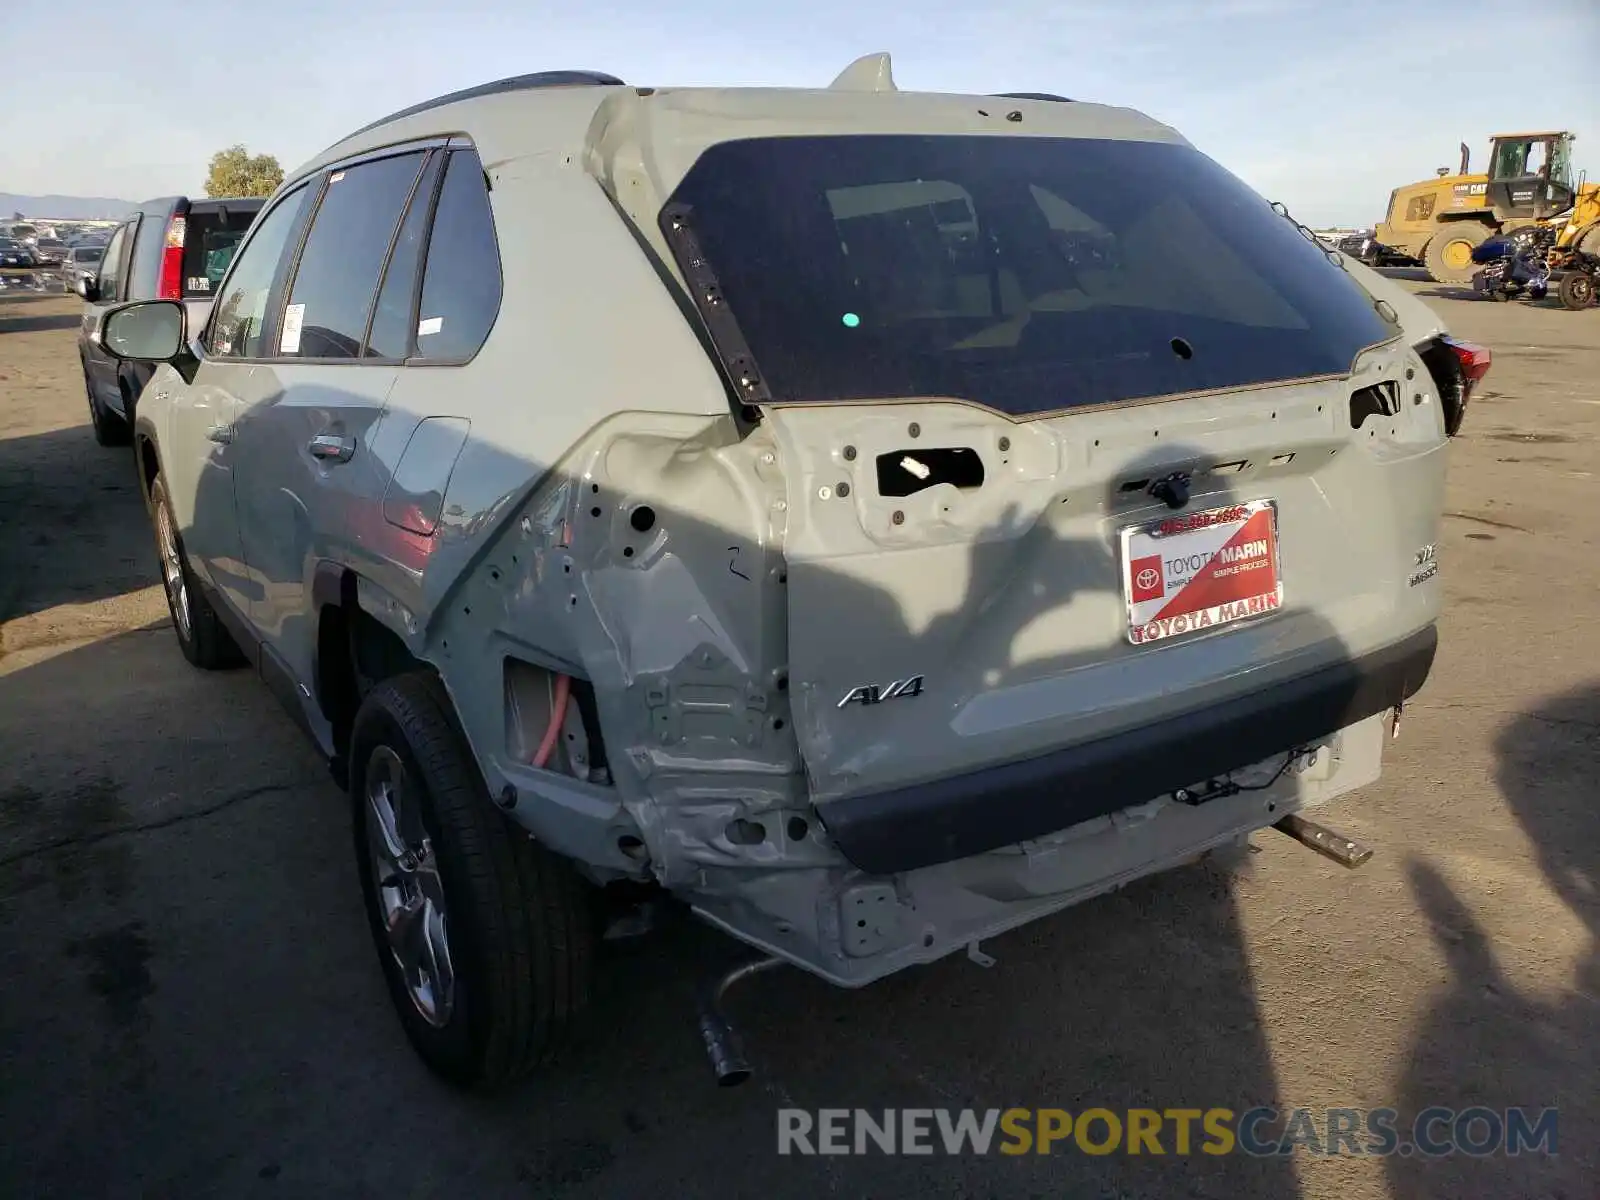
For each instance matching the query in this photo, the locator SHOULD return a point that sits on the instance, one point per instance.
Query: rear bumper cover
(946, 819)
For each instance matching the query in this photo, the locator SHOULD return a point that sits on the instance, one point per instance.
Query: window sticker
(430, 325)
(293, 318)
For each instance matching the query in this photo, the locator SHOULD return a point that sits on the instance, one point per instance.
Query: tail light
(1475, 360)
(1456, 367)
(172, 261)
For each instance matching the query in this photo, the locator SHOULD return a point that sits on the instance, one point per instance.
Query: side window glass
(242, 304)
(111, 264)
(394, 318)
(333, 290)
(461, 284)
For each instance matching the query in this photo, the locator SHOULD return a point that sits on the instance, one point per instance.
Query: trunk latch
(1172, 490)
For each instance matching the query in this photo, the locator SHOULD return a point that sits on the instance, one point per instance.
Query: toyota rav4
(874, 519)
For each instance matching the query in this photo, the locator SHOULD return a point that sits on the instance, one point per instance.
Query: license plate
(1200, 570)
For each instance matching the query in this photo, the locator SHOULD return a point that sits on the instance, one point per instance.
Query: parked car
(83, 259)
(14, 254)
(1365, 246)
(640, 490)
(164, 249)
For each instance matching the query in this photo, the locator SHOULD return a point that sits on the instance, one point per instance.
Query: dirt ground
(191, 1005)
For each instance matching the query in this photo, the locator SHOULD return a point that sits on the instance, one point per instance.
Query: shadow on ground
(193, 992)
(203, 1006)
(1485, 1042)
(72, 525)
(42, 322)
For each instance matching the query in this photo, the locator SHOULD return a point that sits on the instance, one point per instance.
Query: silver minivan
(874, 520)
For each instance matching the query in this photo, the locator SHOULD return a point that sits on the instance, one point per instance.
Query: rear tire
(1576, 291)
(1448, 254)
(201, 635)
(489, 960)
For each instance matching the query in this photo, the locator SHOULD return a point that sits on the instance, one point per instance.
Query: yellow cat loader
(1529, 182)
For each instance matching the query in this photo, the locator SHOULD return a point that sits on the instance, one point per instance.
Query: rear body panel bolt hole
(642, 518)
(849, 454)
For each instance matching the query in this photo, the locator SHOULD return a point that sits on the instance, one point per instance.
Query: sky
(1325, 106)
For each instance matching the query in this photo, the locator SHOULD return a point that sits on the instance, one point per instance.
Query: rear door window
(394, 319)
(211, 236)
(239, 320)
(461, 283)
(337, 279)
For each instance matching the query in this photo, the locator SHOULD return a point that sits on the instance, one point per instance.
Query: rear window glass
(210, 238)
(1025, 274)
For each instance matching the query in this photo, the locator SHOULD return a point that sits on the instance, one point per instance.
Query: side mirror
(86, 287)
(145, 331)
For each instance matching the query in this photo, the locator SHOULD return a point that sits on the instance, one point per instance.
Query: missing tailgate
(907, 472)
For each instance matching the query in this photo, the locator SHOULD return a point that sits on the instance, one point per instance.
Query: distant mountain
(68, 208)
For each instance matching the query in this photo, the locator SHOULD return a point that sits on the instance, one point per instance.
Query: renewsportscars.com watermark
(1432, 1133)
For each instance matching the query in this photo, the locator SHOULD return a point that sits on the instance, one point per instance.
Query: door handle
(222, 434)
(330, 447)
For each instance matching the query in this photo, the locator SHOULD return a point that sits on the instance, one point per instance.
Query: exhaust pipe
(728, 1062)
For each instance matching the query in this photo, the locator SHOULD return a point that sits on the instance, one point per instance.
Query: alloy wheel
(172, 574)
(405, 879)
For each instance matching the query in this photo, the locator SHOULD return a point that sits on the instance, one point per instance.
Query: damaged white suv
(876, 519)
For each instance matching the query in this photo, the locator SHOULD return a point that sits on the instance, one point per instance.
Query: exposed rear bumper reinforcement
(925, 824)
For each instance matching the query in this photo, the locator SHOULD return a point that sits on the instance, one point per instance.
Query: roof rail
(1035, 96)
(516, 83)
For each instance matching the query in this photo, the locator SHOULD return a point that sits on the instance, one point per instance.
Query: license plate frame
(1183, 550)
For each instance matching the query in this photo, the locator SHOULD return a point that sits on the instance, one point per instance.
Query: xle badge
(871, 693)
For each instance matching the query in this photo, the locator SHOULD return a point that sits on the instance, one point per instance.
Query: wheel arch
(355, 649)
(149, 460)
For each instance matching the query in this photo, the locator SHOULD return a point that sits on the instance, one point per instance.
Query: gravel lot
(191, 1006)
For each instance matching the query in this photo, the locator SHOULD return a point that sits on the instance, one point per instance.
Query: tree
(237, 172)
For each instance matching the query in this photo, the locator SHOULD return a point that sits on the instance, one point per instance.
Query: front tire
(1448, 255)
(1576, 291)
(485, 937)
(201, 635)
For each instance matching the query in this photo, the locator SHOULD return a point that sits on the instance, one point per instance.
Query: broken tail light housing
(171, 286)
(1457, 367)
(1475, 360)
